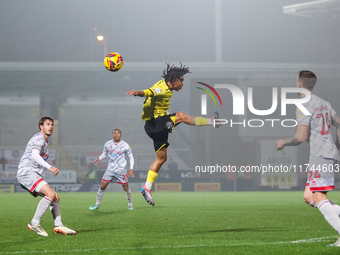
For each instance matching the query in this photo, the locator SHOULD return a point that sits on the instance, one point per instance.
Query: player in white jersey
(324, 153)
(117, 150)
(30, 170)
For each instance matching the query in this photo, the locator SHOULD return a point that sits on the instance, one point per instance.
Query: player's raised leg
(198, 121)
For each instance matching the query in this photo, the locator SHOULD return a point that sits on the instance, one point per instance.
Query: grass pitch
(180, 223)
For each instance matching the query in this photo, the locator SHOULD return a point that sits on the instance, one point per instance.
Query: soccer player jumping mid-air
(159, 123)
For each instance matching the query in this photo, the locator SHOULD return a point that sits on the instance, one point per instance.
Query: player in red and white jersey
(117, 150)
(320, 138)
(30, 170)
(39, 146)
(324, 153)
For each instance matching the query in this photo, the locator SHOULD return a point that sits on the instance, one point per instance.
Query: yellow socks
(151, 179)
(200, 121)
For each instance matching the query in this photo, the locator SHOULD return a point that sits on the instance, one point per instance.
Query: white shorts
(121, 177)
(32, 182)
(320, 174)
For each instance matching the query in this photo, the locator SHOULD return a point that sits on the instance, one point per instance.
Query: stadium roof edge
(151, 66)
(321, 9)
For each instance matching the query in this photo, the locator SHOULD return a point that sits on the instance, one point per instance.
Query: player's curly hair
(172, 73)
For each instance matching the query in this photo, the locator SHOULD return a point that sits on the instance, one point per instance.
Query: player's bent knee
(308, 198)
(180, 116)
(50, 195)
(162, 158)
(53, 196)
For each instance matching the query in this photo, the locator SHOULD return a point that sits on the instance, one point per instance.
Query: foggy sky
(153, 30)
(146, 31)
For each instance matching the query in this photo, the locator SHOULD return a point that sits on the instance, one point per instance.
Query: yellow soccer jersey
(157, 100)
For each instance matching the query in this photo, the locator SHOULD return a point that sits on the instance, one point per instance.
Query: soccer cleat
(93, 207)
(64, 230)
(216, 116)
(37, 229)
(336, 244)
(130, 207)
(147, 195)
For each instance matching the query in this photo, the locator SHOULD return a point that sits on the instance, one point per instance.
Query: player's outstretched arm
(299, 137)
(136, 93)
(102, 156)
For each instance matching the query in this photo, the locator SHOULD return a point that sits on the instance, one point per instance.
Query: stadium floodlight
(102, 39)
(322, 9)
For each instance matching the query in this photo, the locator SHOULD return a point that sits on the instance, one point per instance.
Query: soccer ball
(113, 61)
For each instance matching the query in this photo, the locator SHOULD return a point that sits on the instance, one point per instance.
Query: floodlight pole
(218, 32)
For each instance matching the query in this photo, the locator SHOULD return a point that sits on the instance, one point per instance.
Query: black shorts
(158, 130)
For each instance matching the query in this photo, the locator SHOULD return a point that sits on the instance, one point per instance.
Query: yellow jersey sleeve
(157, 101)
(148, 92)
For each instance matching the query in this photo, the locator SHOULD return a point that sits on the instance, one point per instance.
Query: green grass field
(180, 223)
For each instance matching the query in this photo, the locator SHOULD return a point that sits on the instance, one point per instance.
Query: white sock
(129, 197)
(330, 214)
(55, 210)
(100, 195)
(148, 185)
(336, 207)
(42, 207)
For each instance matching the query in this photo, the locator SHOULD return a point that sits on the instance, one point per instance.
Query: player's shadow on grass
(103, 213)
(93, 229)
(234, 230)
(150, 207)
(240, 230)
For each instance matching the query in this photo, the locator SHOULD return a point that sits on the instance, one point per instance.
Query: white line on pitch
(312, 240)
